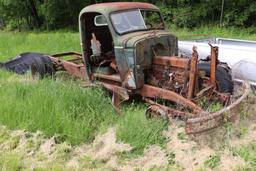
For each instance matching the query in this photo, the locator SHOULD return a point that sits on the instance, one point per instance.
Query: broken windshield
(129, 21)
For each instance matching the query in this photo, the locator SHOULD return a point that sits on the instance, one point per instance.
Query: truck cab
(119, 41)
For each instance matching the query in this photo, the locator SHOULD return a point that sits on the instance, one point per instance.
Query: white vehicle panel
(240, 55)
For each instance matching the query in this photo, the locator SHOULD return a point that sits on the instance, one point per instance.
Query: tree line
(59, 14)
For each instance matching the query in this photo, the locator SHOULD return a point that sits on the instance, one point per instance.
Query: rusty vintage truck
(127, 49)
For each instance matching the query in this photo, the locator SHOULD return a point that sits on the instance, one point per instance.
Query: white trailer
(240, 55)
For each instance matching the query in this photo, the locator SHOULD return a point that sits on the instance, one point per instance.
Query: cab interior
(103, 64)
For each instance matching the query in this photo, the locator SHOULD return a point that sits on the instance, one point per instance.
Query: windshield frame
(139, 9)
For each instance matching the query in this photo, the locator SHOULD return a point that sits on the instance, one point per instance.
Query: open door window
(100, 20)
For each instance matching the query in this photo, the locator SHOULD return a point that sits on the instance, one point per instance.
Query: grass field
(62, 108)
(73, 114)
(215, 31)
(12, 44)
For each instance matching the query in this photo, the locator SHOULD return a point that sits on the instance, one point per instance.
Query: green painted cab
(121, 39)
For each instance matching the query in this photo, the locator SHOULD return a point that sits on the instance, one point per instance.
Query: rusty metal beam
(117, 89)
(209, 121)
(171, 61)
(67, 54)
(113, 77)
(155, 92)
(116, 101)
(77, 70)
(214, 61)
(192, 74)
(118, 92)
(170, 112)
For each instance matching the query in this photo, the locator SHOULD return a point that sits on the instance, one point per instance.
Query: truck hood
(130, 40)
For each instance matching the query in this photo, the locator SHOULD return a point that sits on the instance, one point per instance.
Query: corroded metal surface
(116, 6)
(171, 61)
(205, 122)
(155, 92)
(193, 74)
(73, 65)
(214, 62)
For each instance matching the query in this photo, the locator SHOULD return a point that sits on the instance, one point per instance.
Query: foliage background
(56, 14)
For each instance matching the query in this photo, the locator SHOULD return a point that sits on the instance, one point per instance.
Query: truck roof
(107, 8)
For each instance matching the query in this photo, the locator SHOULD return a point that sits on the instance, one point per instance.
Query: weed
(52, 167)
(14, 141)
(248, 153)
(244, 113)
(10, 162)
(63, 151)
(242, 132)
(87, 162)
(244, 168)
(181, 136)
(228, 129)
(210, 106)
(171, 158)
(216, 106)
(212, 161)
(4, 136)
(139, 131)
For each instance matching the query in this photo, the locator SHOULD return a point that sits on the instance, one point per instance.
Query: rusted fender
(209, 121)
(117, 93)
(117, 89)
(153, 92)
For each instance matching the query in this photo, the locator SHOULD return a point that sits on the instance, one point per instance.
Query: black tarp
(25, 61)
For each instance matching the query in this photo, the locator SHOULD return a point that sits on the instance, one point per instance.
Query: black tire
(49, 68)
(42, 67)
(223, 77)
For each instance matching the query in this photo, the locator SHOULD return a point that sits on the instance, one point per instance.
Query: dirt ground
(33, 151)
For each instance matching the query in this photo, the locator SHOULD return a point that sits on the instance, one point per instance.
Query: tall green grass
(214, 31)
(62, 108)
(71, 113)
(55, 107)
(248, 153)
(12, 44)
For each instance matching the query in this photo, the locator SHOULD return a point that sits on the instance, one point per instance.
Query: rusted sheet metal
(204, 91)
(116, 6)
(172, 61)
(117, 89)
(123, 5)
(214, 61)
(118, 92)
(77, 70)
(206, 122)
(193, 74)
(76, 57)
(116, 101)
(67, 54)
(155, 92)
(114, 77)
(171, 113)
